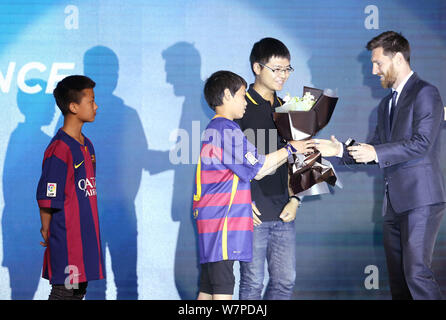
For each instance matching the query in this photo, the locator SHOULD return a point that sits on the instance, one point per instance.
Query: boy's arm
(45, 218)
(272, 161)
(275, 159)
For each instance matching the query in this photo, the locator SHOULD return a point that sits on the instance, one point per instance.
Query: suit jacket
(409, 150)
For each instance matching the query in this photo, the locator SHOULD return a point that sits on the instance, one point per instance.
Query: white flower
(308, 96)
(299, 104)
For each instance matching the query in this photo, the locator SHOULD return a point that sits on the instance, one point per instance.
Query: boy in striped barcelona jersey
(222, 199)
(66, 195)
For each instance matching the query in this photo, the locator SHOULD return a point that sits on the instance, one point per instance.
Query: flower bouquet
(301, 118)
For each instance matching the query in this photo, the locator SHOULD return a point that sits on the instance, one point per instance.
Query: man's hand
(44, 233)
(255, 215)
(288, 213)
(328, 148)
(303, 146)
(362, 152)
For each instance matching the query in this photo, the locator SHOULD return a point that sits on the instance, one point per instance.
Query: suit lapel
(402, 99)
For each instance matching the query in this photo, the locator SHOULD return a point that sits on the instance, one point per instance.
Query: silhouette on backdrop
(121, 147)
(182, 65)
(22, 254)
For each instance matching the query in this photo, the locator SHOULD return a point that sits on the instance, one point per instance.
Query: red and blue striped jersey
(68, 186)
(222, 199)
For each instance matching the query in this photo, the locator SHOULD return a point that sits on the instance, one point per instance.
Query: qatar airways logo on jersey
(88, 186)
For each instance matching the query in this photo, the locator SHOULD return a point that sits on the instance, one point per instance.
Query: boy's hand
(45, 218)
(44, 236)
(303, 146)
(288, 213)
(255, 215)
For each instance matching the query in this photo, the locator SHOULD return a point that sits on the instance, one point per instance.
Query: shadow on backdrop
(121, 149)
(121, 152)
(182, 66)
(22, 254)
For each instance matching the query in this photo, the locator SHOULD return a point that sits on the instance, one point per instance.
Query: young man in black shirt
(274, 210)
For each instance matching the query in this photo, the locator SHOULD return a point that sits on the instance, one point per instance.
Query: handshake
(304, 146)
(360, 152)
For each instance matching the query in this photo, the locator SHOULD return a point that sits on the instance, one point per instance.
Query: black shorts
(60, 292)
(217, 277)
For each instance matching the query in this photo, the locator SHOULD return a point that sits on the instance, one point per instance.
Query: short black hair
(391, 42)
(267, 48)
(69, 90)
(217, 83)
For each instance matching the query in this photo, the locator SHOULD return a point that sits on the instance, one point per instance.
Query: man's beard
(389, 78)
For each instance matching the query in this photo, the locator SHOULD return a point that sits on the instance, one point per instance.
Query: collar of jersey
(220, 116)
(72, 139)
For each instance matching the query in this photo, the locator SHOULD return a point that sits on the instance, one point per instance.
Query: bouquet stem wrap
(306, 173)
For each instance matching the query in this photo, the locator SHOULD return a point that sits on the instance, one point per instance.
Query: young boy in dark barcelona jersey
(222, 199)
(66, 195)
(273, 208)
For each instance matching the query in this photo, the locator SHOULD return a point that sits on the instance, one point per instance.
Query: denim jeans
(275, 242)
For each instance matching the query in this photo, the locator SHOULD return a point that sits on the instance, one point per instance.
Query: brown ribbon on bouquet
(304, 175)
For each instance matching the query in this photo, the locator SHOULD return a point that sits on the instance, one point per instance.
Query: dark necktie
(392, 108)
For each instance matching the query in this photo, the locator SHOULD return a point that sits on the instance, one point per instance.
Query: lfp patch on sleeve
(51, 190)
(251, 159)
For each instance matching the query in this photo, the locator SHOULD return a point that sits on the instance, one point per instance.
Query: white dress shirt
(399, 89)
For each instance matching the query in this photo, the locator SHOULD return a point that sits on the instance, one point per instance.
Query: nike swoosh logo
(78, 165)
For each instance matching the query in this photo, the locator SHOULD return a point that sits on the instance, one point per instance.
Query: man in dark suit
(406, 145)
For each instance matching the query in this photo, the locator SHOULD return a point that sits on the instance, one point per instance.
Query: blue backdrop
(149, 60)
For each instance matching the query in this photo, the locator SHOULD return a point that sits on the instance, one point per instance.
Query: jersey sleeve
(51, 186)
(240, 156)
(92, 154)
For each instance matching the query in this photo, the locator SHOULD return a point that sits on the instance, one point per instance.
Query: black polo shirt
(271, 193)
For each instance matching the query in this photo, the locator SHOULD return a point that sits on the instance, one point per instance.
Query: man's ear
(257, 68)
(399, 58)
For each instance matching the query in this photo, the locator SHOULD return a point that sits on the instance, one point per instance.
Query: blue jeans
(275, 242)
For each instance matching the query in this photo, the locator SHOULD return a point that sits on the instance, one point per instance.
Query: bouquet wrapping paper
(299, 119)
